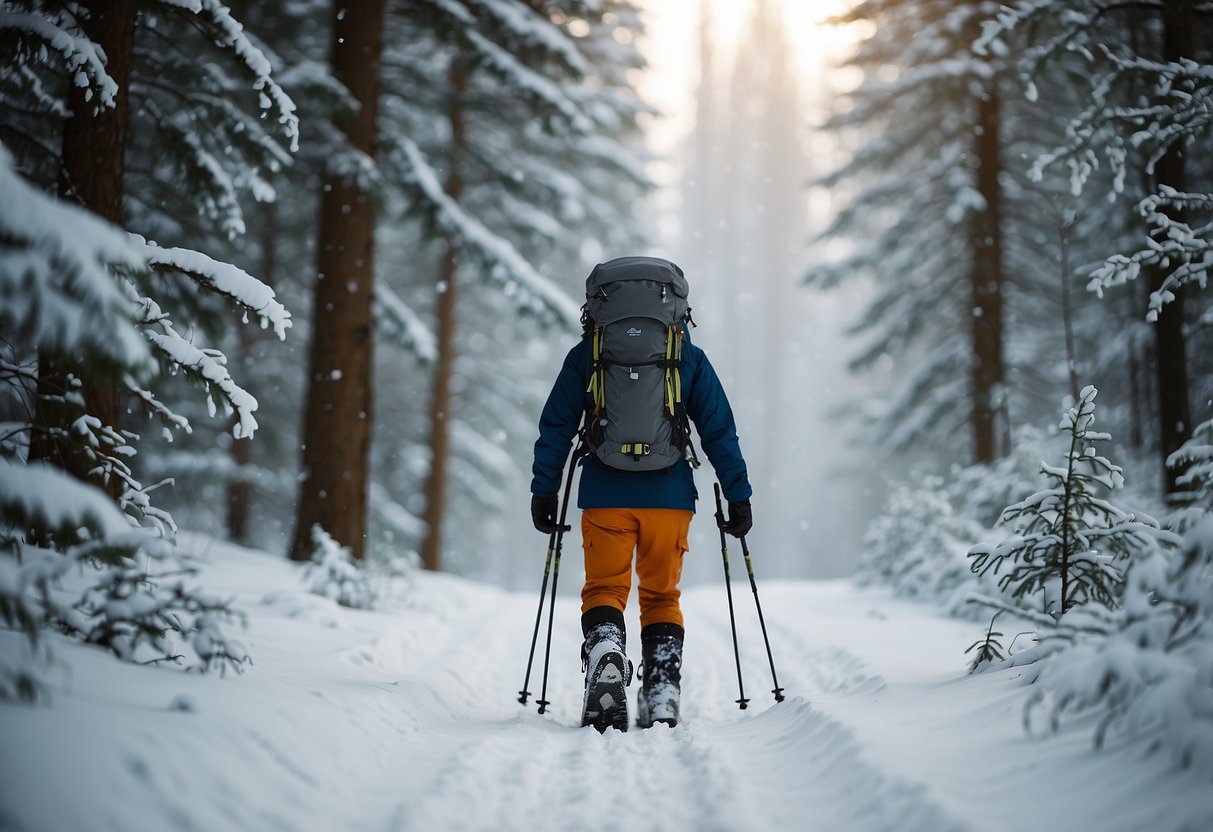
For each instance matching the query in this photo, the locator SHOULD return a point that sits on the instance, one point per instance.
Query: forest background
(913, 236)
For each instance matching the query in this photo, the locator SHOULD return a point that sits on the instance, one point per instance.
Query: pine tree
(514, 96)
(1070, 544)
(937, 136)
(337, 427)
(1147, 85)
(76, 278)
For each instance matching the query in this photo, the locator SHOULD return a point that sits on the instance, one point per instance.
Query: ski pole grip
(719, 505)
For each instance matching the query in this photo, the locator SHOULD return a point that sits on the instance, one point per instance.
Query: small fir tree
(332, 573)
(1068, 540)
(988, 650)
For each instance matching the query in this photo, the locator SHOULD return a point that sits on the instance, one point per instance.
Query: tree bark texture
(444, 368)
(987, 372)
(1171, 363)
(337, 418)
(90, 174)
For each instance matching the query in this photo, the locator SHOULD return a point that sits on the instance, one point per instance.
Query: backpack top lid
(628, 286)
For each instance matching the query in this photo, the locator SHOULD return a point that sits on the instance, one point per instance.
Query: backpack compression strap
(598, 374)
(673, 371)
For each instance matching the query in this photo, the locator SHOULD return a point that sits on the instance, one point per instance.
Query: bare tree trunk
(987, 279)
(444, 368)
(239, 489)
(337, 420)
(1171, 363)
(90, 174)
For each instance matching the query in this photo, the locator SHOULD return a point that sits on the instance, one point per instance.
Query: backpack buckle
(636, 449)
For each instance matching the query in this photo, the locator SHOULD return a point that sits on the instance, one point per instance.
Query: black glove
(741, 519)
(543, 514)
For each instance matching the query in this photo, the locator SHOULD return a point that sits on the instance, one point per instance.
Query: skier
(637, 497)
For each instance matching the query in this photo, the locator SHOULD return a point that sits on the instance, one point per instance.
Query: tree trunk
(90, 174)
(239, 489)
(444, 368)
(1171, 363)
(987, 371)
(337, 419)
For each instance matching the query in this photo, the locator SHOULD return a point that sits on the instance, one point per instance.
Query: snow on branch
(207, 366)
(84, 60)
(1195, 459)
(395, 318)
(1171, 241)
(533, 84)
(225, 279)
(502, 263)
(36, 495)
(532, 30)
(56, 285)
(228, 33)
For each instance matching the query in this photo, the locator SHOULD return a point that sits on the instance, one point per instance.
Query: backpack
(634, 312)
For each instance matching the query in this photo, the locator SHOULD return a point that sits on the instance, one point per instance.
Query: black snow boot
(608, 671)
(661, 675)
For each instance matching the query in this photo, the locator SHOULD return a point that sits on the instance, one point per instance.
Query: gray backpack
(635, 309)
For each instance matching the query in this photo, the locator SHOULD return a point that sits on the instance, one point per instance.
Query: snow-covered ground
(407, 719)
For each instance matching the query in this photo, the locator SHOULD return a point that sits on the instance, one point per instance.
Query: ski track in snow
(407, 719)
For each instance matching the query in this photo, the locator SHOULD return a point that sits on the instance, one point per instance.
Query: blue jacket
(601, 486)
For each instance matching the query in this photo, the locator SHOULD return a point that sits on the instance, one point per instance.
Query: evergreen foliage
(917, 544)
(93, 312)
(1140, 106)
(1069, 543)
(1145, 668)
(332, 573)
(989, 650)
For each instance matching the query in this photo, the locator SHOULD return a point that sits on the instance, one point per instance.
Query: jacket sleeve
(560, 421)
(709, 409)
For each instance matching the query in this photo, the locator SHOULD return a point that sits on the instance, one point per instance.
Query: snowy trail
(407, 719)
(508, 768)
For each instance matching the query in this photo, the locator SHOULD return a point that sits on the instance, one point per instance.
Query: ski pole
(724, 554)
(749, 568)
(542, 701)
(543, 590)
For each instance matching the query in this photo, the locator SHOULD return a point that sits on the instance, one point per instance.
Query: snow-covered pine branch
(536, 87)
(37, 496)
(1137, 106)
(34, 32)
(400, 323)
(1171, 243)
(501, 263)
(517, 25)
(1195, 460)
(57, 289)
(1146, 674)
(208, 366)
(246, 291)
(228, 34)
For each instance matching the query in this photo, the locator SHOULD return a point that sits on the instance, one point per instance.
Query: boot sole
(606, 700)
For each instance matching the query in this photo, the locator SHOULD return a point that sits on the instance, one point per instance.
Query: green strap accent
(669, 382)
(598, 375)
(635, 449)
(678, 368)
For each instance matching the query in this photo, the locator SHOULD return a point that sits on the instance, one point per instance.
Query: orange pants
(658, 536)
